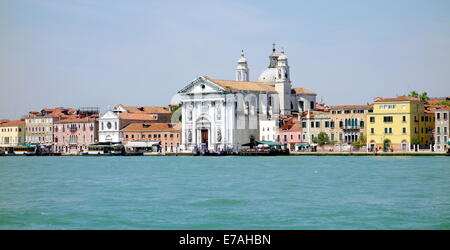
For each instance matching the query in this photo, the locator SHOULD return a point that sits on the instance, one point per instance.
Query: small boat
(25, 150)
(105, 149)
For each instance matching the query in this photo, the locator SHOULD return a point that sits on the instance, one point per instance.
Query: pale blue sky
(100, 53)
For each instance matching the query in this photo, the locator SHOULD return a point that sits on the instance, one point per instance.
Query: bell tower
(283, 84)
(242, 70)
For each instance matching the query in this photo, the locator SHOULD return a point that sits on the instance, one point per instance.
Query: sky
(56, 53)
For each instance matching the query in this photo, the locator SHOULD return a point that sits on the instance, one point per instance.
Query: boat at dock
(106, 149)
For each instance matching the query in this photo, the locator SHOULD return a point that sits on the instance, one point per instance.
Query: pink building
(291, 135)
(74, 135)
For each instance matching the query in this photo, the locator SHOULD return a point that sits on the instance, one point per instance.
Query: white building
(268, 130)
(224, 114)
(442, 129)
(113, 121)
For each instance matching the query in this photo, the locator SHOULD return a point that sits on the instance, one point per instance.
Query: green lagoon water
(225, 192)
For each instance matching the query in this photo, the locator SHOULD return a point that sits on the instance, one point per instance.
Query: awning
(270, 143)
(302, 145)
(141, 144)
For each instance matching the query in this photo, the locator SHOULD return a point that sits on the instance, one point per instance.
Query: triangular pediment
(201, 85)
(109, 115)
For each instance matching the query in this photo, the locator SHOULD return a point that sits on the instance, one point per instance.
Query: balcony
(350, 127)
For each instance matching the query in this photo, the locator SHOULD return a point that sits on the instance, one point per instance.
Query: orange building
(168, 134)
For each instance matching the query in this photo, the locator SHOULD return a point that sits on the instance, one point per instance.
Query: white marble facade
(223, 115)
(109, 127)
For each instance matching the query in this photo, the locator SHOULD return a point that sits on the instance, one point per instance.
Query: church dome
(268, 75)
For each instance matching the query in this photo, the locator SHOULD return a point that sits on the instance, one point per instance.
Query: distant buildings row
(389, 124)
(71, 131)
(222, 115)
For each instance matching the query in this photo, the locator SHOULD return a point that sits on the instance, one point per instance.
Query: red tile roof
(435, 101)
(146, 109)
(148, 127)
(12, 123)
(396, 99)
(78, 120)
(137, 116)
(352, 107)
(299, 91)
(240, 85)
(296, 127)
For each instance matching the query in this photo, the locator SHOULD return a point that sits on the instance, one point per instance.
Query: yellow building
(12, 133)
(399, 124)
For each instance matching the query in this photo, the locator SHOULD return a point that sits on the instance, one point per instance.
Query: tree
(361, 142)
(413, 94)
(443, 103)
(415, 141)
(322, 139)
(424, 96)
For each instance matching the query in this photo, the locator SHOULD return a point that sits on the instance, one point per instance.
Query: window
(109, 125)
(361, 124)
(445, 130)
(438, 115)
(438, 131)
(327, 124)
(372, 131)
(372, 119)
(317, 124)
(312, 105)
(404, 131)
(292, 137)
(303, 124)
(388, 119)
(438, 138)
(312, 124)
(404, 119)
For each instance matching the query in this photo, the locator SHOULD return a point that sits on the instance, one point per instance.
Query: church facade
(224, 114)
